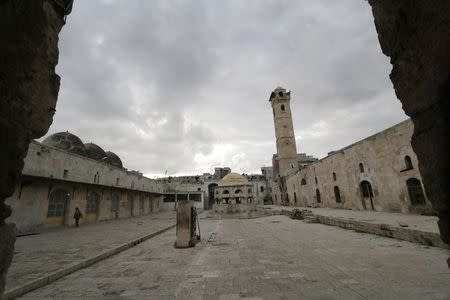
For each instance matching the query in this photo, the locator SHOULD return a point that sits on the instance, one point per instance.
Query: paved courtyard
(53, 249)
(265, 258)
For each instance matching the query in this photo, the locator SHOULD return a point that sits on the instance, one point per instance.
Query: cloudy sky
(183, 86)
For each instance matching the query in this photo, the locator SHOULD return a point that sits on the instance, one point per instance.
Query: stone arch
(57, 206)
(115, 202)
(337, 194)
(415, 191)
(366, 192)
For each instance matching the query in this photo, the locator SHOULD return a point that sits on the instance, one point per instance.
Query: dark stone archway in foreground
(415, 34)
(29, 89)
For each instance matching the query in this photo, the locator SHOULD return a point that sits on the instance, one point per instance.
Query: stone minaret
(284, 132)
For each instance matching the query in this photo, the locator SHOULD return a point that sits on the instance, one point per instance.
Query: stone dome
(233, 179)
(66, 141)
(94, 151)
(113, 159)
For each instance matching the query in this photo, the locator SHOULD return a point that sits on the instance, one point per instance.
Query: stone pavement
(266, 258)
(410, 227)
(39, 255)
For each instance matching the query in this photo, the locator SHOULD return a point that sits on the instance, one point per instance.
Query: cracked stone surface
(267, 258)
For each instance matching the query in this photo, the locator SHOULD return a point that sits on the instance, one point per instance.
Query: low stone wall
(406, 234)
(241, 211)
(235, 208)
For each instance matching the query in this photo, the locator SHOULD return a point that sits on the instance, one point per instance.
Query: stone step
(310, 219)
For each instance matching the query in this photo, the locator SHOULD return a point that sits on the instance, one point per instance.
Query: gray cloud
(183, 85)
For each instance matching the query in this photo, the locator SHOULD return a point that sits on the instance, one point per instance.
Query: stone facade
(377, 173)
(50, 170)
(182, 187)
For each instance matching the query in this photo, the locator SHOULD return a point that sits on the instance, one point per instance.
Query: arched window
(283, 108)
(238, 191)
(408, 163)
(337, 194)
(416, 195)
(318, 196)
(226, 192)
(295, 197)
(361, 168)
(57, 203)
(303, 182)
(315, 179)
(334, 176)
(261, 188)
(92, 202)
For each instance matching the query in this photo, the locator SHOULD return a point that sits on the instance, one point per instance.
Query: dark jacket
(77, 214)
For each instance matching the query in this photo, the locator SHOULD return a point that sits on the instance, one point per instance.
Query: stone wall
(383, 158)
(47, 168)
(415, 34)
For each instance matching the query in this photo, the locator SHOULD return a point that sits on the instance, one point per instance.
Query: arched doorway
(115, 199)
(130, 204)
(211, 189)
(141, 205)
(92, 203)
(57, 205)
(337, 194)
(415, 191)
(319, 200)
(366, 193)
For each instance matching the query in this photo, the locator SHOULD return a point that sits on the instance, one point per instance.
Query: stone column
(415, 34)
(184, 232)
(28, 92)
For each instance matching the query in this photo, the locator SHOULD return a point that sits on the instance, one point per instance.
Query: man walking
(77, 215)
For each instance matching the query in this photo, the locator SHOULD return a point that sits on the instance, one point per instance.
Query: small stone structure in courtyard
(233, 195)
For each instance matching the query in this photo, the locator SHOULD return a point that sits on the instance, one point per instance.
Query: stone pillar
(28, 92)
(415, 34)
(184, 232)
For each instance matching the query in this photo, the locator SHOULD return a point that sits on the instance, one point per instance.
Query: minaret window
(283, 108)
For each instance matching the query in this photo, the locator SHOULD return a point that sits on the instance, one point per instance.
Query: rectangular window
(65, 173)
(169, 198)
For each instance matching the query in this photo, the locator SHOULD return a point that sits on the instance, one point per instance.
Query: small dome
(94, 151)
(113, 159)
(233, 179)
(66, 141)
